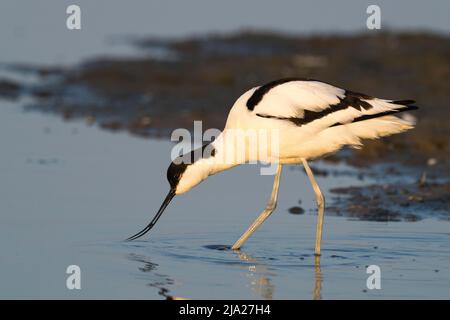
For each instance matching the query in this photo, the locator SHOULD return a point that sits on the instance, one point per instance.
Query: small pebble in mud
(296, 210)
(336, 256)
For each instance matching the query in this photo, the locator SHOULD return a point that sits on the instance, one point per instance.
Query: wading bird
(311, 118)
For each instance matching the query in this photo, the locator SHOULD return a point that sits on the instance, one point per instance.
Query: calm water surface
(70, 194)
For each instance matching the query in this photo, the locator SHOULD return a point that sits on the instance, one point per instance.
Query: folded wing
(303, 102)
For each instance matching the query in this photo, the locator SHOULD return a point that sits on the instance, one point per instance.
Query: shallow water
(71, 193)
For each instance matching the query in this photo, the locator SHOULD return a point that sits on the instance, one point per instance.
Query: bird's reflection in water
(259, 276)
(159, 281)
(317, 279)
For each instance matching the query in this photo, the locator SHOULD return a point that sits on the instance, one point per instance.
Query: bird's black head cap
(174, 173)
(181, 163)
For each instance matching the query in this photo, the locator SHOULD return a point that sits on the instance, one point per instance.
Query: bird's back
(313, 118)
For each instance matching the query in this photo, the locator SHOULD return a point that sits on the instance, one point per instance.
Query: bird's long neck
(235, 147)
(232, 148)
(223, 154)
(205, 161)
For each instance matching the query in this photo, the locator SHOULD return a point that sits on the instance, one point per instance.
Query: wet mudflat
(172, 83)
(71, 193)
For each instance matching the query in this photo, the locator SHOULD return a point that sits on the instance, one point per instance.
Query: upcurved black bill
(155, 219)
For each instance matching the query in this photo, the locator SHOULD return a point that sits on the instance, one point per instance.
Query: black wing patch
(351, 99)
(261, 91)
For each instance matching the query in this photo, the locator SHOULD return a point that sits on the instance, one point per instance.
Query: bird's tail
(384, 123)
(396, 106)
(379, 127)
(380, 122)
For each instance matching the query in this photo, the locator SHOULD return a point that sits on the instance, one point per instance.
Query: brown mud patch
(392, 202)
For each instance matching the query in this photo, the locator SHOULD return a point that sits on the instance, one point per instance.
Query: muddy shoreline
(199, 78)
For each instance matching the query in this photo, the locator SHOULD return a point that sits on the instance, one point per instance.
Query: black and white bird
(311, 119)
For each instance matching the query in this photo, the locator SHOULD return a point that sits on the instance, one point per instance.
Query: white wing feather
(290, 99)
